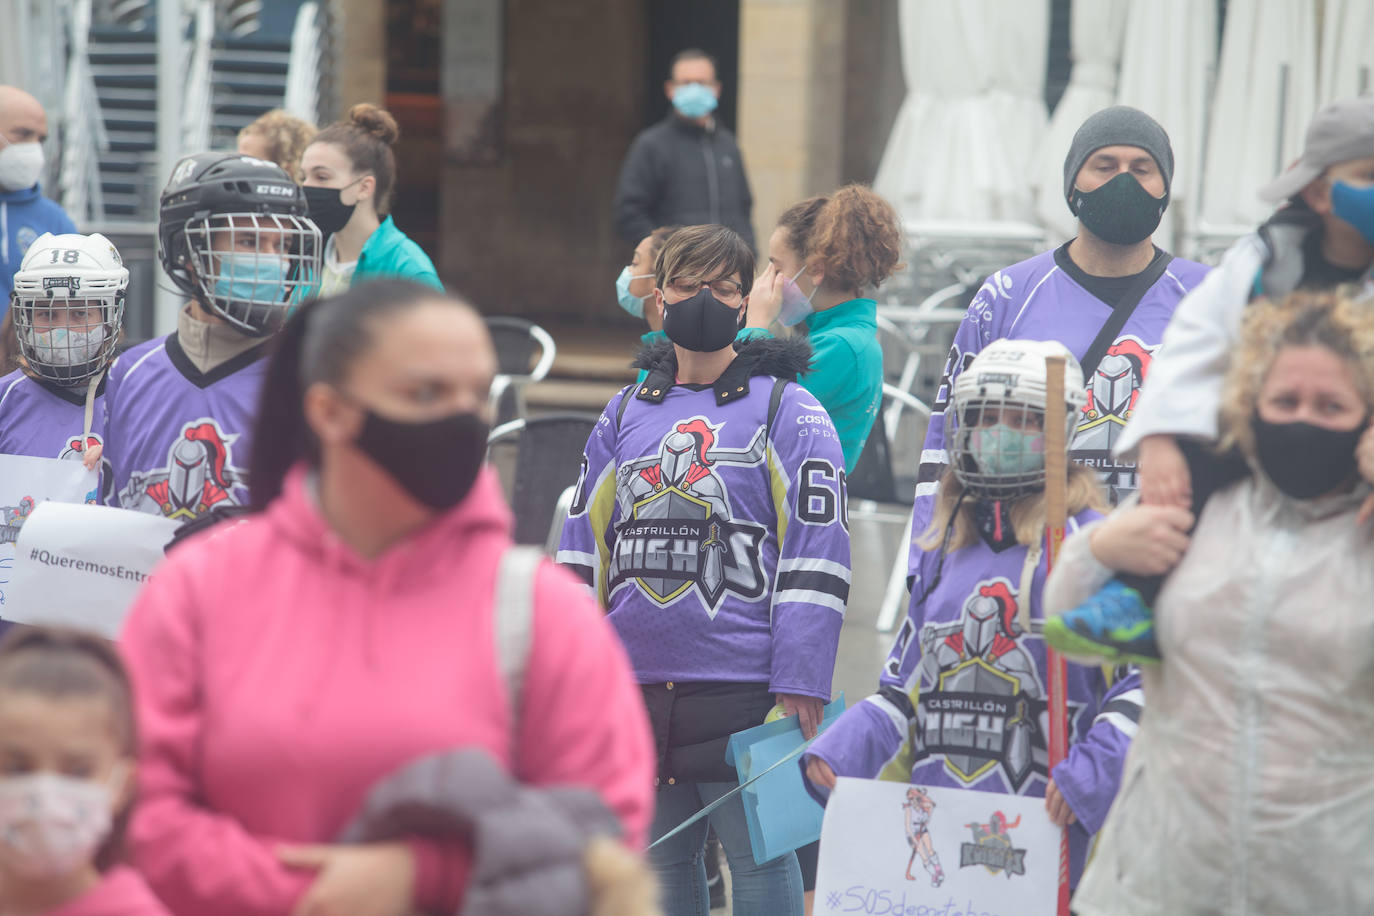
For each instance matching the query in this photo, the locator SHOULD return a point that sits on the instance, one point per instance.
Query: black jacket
(677, 173)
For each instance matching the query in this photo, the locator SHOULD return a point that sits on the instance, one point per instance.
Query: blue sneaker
(1112, 626)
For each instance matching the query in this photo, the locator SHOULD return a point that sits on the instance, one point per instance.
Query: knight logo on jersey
(197, 477)
(1112, 394)
(678, 532)
(75, 450)
(981, 698)
(12, 518)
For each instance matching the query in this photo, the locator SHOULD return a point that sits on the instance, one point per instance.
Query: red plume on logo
(705, 435)
(207, 433)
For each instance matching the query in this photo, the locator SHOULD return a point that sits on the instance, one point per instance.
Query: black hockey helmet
(233, 233)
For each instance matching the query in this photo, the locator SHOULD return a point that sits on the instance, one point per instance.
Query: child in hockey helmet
(970, 646)
(68, 304)
(67, 308)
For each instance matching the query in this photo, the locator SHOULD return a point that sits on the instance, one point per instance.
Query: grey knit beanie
(1120, 124)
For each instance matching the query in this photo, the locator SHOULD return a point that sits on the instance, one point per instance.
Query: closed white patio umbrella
(963, 144)
(1095, 31)
(1265, 96)
(1347, 58)
(1168, 58)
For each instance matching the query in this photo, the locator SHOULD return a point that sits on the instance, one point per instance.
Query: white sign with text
(81, 566)
(892, 849)
(25, 484)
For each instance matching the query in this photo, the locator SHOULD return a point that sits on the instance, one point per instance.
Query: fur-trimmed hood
(783, 357)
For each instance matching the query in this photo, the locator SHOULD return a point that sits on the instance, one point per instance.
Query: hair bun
(375, 121)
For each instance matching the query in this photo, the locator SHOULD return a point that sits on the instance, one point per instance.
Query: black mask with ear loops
(1306, 461)
(436, 461)
(327, 209)
(1121, 211)
(702, 323)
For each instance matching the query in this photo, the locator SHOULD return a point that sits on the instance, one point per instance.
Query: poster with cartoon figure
(894, 848)
(25, 483)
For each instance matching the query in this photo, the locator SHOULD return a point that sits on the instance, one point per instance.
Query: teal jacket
(847, 370)
(388, 252)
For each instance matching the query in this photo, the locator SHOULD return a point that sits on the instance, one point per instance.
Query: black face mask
(702, 323)
(1303, 460)
(327, 209)
(1120, 212)
(435, 462)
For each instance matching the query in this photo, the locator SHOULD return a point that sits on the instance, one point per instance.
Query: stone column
(362, 59)
(791, 102)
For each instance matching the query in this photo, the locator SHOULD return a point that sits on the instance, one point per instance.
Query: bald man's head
(22, 119)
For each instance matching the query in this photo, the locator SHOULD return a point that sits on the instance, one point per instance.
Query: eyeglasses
(722, 289)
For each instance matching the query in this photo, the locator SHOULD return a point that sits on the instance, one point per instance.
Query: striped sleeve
(1090, 776)
(811, 583)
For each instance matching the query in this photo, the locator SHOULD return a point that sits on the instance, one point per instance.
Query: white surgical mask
(50, 824)
(796, 305)
(65, 347)
(20, 165)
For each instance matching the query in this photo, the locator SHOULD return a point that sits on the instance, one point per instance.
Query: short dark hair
(59, 664)
(702, 251)
(692, 54)
(319, 343)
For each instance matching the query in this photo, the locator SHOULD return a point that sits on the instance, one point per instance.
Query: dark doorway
(412, 97)
(712, 26)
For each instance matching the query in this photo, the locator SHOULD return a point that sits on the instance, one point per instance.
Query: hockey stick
(1056, 483)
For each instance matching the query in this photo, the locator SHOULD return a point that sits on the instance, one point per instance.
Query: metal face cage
(253, 269)
(997, 446)
(68, 340)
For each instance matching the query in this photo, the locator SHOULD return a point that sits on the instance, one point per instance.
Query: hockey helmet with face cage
(234, 235)
(996, 419)
(68, 305)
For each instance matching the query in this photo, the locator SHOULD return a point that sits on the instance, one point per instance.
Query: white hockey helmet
(997, 409)
(68, 304)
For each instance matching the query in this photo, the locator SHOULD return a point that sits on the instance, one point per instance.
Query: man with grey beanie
(1107, 294)
(1321, 236)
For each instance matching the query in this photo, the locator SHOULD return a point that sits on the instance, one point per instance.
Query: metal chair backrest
(548, 455)
(516, 342)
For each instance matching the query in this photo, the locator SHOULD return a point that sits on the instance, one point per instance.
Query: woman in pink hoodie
(288, 663)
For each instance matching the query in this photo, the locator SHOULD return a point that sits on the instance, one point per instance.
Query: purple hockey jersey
(177, 438)
(1037, 299)
(44, 420)
(977, 684)
(718, 543)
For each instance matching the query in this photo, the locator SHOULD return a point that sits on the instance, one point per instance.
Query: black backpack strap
(774, 401)
(1122, 313)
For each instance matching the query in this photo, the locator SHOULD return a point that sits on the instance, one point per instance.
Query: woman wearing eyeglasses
(709, 519)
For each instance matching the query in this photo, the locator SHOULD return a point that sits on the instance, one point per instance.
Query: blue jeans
(771, 889)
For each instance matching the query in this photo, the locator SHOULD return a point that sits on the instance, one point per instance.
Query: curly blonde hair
(286, 136)
(1339, 320)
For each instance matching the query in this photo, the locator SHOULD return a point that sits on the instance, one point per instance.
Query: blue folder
(781, 814)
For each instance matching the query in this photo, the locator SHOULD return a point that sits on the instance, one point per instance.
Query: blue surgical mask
(1002, 451)
(1355, 206)
(251, 277)
(796, 306)
(628, 300)
(693, 100)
